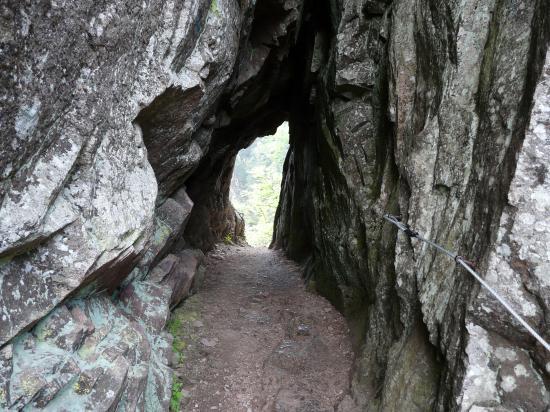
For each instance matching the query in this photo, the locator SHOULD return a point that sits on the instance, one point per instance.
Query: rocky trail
(254, 339)
(121, 123)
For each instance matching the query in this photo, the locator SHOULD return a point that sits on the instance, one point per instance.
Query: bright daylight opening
(256, 184)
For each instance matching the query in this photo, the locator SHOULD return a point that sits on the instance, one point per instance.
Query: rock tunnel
(118, 156)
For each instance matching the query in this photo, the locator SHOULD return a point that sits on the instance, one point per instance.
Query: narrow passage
(253, 339)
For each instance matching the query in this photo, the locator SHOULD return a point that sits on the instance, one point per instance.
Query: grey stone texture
(420, 109)
(120, 122)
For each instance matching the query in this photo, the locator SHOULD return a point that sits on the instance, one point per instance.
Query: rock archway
(121, 125)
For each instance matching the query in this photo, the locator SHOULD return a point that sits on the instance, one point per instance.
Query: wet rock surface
(253, 339)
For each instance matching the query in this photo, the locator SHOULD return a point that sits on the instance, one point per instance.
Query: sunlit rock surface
(120, 124)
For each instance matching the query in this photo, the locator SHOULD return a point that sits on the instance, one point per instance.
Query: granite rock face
(120, 125)
(88, 206)
(517, 268)
(78, 191)
(420, 110)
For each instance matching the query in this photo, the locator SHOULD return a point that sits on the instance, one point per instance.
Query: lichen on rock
(120, 126)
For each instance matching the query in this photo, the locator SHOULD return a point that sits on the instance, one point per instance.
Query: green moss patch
(180, 326)
(177, 394)
(214, 8)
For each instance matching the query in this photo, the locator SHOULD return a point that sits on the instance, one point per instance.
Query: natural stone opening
(424, 109)
(256, 185)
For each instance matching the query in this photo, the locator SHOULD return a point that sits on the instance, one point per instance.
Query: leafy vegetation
(180, 327)
(256, 184)
(228, 239)
(214, 7)
(177, 394)
(174, 326)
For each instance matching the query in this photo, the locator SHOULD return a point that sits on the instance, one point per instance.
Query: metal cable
(468, 266)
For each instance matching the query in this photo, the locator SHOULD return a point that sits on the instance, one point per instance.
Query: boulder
(177, 274)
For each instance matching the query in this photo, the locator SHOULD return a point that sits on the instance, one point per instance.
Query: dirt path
(253, 339)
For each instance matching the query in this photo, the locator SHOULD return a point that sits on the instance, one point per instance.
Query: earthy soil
(254, 339)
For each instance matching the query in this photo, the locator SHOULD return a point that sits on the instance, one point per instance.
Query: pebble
(210, 343)
(303, 330)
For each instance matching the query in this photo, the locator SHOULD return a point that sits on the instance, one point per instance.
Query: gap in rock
(256, 184)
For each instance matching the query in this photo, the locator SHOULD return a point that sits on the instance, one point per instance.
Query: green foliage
(174, 325)
(181, 328)
(177, 394)
(256, 184)
(228, 239)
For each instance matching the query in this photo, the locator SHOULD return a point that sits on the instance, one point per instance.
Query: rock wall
(120, 124)
(517, 267)
(101, 105)
(419, 108)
